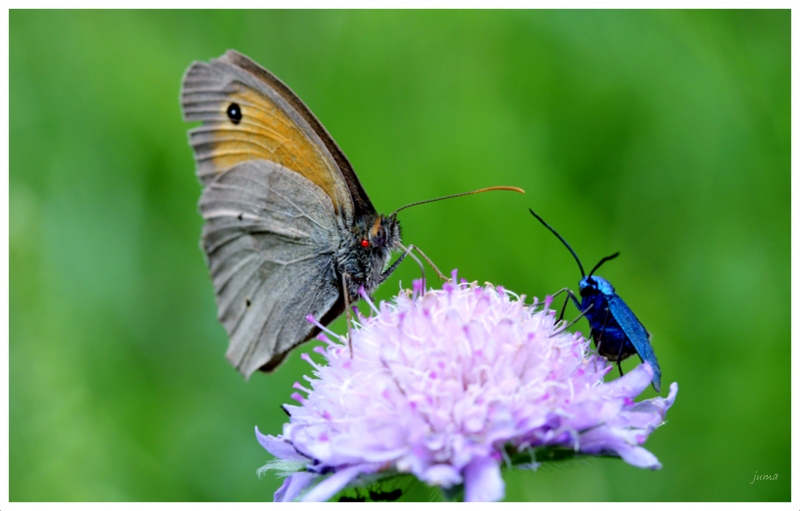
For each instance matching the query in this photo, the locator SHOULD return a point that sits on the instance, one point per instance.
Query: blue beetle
(616, 330)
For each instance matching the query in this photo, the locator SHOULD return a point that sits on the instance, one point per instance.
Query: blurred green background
(662, 134)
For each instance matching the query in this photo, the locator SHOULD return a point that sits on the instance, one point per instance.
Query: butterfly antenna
(567, 245)
(490, 189)
(606, 258)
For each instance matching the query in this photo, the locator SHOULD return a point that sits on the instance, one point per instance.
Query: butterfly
(289, 230)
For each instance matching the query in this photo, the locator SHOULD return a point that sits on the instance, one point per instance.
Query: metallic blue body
(616, 330)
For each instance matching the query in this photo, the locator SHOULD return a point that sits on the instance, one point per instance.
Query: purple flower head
(447, 386)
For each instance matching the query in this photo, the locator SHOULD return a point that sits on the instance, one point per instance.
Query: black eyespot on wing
(247, 302)
(234, 113)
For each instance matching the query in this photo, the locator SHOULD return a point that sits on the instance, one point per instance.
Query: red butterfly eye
(365, 243)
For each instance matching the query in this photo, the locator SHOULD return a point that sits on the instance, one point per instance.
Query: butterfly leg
(409, 251)
(346, 296)
(406, 252)
(428, 259)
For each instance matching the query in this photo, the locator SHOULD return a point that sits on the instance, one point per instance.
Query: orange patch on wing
(266, 132)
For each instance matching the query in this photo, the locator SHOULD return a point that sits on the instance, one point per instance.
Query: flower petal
(279, 447)
(482, 481)
(658, 405)
(639, 457)
(440, 383)
(334, 483)
(633, 383)
(293, 485)
(442, 475)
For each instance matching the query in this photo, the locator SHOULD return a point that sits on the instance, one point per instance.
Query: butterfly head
(385, 232)
(366, 248)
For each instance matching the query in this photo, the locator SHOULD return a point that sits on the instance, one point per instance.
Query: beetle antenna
(606, 258)
(583, 274)
(490, 189)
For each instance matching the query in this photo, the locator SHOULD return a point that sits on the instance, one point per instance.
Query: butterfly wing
(249, 114)
(262, 155)
(637, 334)
(270, 237)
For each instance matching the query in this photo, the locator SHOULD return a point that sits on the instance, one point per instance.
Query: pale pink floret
(441, 384)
